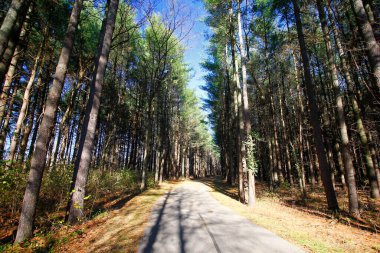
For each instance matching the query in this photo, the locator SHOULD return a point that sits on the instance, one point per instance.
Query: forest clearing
(169, 126)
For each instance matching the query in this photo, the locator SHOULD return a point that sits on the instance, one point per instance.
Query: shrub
(54, 192)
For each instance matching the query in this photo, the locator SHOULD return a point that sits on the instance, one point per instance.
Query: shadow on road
(154, 232)
(176, 218)
(190, 220)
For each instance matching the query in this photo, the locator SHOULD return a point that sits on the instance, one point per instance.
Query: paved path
(188, 219)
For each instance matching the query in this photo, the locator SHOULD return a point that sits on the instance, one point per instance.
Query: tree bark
(27, 130)
(25, 227)
(147, 146)
(9, 79)
(5, 128)
(371, 173)
(238, 114)
(246, 113)
(9, 23)
(25, 104)
(43, 78)
(368, 35)
(13, 42)
(63, 125)
(86, 143)
(314, 115)
(347, 159)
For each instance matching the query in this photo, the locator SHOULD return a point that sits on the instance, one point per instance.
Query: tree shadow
(313, 205)
(102, 206)
(217, 185)
(155, 229)
(176, 225)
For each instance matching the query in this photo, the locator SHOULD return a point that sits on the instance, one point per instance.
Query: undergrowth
(102, 186)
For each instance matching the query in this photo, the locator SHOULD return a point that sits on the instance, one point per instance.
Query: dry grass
(119, 230)
(316, 204)
(121, 227)
(314, 231)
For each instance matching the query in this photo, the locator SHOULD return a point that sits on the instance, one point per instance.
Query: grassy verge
(118, 230)
(314, 233)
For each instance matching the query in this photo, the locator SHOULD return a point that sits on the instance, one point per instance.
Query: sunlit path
(189, 219)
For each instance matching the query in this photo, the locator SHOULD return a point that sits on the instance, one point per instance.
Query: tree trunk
(9, 79)
(43, 77)
(147, 147)
(246, 113)
(27, 130)
(63, 125)
(161, 167)
(347, 159)
(5, 129)
(356, 110)
(25, 104)
(284, 132)
(239, 121)
(368, 35)
(314, 115)
(25, 227)
(86, 143)
(13, 42)
(10, 22)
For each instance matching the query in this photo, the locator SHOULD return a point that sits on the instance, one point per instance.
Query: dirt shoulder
(119, 230)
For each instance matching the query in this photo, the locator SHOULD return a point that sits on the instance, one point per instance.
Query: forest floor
(121, 226)
(306, 223)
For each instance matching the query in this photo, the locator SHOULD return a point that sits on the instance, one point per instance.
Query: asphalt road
(188, 219)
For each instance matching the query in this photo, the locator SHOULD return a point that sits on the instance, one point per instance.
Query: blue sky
(196, 46)
(195, 42)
